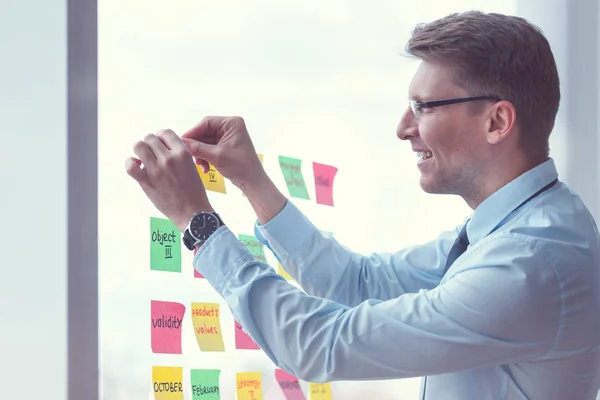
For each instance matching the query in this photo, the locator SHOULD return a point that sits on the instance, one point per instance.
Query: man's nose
(407, 127)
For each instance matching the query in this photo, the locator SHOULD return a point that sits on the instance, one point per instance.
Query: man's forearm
(264, 197)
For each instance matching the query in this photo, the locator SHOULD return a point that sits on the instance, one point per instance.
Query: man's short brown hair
(500, 55)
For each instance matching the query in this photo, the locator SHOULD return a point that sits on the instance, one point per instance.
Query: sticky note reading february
(207, 326)
(165, 245)
(255, 246)
(319, 391)
(249, 385)
(324, 176)
(281, 271)
(243, 340)
(165, 327)
(167, 383)
(292, 173)
(205, 384)
(212, 180)
(289, 385)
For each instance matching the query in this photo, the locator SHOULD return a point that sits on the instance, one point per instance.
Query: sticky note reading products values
(207, 326)
(249, 386)
(165, 326)
(167, 383)
(212, 180)
(205, 384)
(324, 175)
(165, 245)
(292, 173)
(289, 385)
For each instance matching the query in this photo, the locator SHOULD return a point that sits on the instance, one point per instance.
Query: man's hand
(167, 174)
(225, 143)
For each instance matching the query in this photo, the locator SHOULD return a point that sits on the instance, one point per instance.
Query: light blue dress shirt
(517, 316)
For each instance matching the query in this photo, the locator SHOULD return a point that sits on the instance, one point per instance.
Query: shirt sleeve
(325, 268)
(486, 313)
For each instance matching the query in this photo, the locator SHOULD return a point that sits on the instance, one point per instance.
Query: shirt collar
(493, 210)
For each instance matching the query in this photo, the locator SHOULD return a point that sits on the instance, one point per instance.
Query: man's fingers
(133, 166)
(157, 146)
(207, 131)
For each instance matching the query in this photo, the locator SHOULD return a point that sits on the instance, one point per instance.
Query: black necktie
(460, 245)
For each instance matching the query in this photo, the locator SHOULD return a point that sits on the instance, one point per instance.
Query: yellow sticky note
(212, 180)
(281, 271)
(319, 391)
(167, 383)
(249, 386)
(207, 326)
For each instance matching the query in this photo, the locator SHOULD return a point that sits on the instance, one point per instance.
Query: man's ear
(501, 122)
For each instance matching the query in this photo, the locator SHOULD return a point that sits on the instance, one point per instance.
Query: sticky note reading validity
(281, 271)
(243, 340)
(165, 245)
(249, 386)
(165, 326)
(207, 326)
(167, 383)
(292, 173)
(289, 385)
(254, 245)
(205, 384)
(212, 180)
(324, 176)
(319, 391)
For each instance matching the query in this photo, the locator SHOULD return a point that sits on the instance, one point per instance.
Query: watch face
(203, 225)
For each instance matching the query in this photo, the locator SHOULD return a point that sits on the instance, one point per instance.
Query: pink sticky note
(196, 273)
(242, 340)
(324, 175)
(165, 326)
(290, 385)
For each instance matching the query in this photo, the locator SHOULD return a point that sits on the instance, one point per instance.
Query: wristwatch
(201, 226)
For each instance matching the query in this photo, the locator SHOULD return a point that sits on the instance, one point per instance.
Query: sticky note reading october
(205, 384)
(319, 391)
(324, 175)
(289, 385)
(292, 173)
(167, 383)
(249, 386)
(165, 245)
(212, 180)
(165, 327)
(243, 340)
(207, 326)
(254, 245)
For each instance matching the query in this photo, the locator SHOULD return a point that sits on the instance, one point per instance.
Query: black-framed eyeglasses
(417, 106)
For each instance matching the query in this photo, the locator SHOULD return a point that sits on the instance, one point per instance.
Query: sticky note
(165, 326)
(212, 180)
(196, 273)
(289, 385)
(243, 340)
(249, 385)
(207, 326)
(254, 245)
(319, 391)
(167, 383)
(324, 176)
(292, 173)
(281, 271)
(205, 384)
(165, 245)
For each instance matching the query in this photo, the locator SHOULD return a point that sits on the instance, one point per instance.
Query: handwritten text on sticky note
(207, 326)
(165, 326)
(205, 384)
(212, 180)
(254, 246)
(292, 173)
(289, 385)
(319, 391)
(165, 245)
(167, 383)
(249, 386)
(324, 176)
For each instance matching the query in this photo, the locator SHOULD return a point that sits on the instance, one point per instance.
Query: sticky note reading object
(289, 385)
(249, 386)
(167, 383)
(212, 180)
(292, 173)
(165, 326)
(205, 384)
(207, 326)
(281, 271)
(254, 245)
(324, 176)
(165, 245)
(243, 340)
(319, 391)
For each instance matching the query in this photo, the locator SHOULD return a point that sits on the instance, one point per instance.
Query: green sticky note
(292, 173)
(165, 245)
(205, 384)
(255, 246)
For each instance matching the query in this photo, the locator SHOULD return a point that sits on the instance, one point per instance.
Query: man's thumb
(202, 152)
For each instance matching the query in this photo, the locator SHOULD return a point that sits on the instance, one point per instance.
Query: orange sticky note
(207, 326)
(281, 271)
(212, 180)
(167, 383)
(249, 386)
(319, 391)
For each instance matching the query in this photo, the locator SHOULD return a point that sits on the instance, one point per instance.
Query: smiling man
(506, 306)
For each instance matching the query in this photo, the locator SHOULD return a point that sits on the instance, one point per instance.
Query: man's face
(451, 137)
